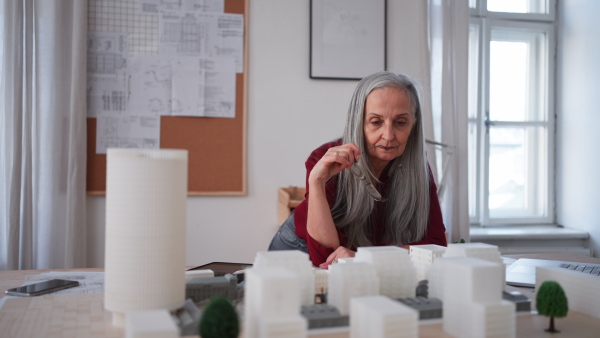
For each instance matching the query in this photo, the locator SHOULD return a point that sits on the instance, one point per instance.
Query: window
(511, 113)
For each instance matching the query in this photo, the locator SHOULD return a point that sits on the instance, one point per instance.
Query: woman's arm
(320, 225)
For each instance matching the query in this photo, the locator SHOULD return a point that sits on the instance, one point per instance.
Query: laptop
(522, 271)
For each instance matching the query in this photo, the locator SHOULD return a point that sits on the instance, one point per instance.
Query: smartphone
(42, 287)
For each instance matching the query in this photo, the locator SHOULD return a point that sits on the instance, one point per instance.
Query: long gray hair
(407, 205)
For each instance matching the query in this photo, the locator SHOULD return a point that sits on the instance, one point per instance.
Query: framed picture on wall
(347, 38)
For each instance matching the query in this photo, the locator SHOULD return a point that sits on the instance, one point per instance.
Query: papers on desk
(89, 282)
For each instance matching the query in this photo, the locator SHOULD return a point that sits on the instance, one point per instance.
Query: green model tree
(219, 320)
(551, 301)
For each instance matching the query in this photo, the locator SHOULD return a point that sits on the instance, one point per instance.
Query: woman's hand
(333, 162)
(340, 252)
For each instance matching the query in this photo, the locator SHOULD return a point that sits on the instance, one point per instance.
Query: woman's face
(388, 121)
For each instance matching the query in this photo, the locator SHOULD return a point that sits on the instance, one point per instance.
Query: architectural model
(201, 289)
(297, 262)
(522, 303)
(347, 281)
(199, 274)
(551, 301)
(219, 319)
(483, 251)
(393, 267)
(323, 315)
(422, 289)
(345, 260)
(380, 316)
(582, 289)
(272, 304)
(149, 324)
(422, 257)
(321, 280)
(472, 302)
(187, 318)
(146, 192)
(429, 308)
(435, 282)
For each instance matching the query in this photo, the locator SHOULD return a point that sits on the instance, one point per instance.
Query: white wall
(289, 115)
(578, 118)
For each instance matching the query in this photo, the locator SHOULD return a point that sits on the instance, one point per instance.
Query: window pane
(473, 107)
(472, 171)
(473, 70)
(518, 172)
(518, 6)
(508, 79)
(516, 77)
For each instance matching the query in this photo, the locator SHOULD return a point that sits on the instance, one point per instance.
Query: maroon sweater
(318, 253)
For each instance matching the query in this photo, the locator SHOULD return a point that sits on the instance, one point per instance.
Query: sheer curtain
(42, 134)
(448, 42)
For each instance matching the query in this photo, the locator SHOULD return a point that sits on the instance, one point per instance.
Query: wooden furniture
(288, 199)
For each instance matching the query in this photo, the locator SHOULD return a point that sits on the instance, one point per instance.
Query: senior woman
(371, 187)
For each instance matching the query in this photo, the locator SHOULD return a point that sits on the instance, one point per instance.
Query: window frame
(480, 10)
(485, 21)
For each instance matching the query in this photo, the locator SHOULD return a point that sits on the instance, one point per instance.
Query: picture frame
(347, 38)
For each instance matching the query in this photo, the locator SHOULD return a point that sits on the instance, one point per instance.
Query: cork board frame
(216, 147)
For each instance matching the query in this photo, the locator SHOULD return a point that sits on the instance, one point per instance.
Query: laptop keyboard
(592, 270)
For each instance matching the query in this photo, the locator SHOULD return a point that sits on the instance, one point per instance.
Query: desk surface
(84, 315)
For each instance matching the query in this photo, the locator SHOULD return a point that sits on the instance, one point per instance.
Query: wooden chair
(289, 198)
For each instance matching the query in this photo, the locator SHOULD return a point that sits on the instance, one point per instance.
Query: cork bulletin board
(216, 146)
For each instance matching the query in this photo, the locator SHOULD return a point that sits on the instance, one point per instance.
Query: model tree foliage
(219, 320)
(551, 301)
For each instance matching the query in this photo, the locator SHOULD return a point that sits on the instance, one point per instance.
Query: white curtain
(42, 134)
(448, 42)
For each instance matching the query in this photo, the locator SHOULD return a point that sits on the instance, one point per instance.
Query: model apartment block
(298, 263)
(483, 251)
(472, 302)
(382, 317)
(272, 304)
(394, 269)
(350, 280)
(422, 257)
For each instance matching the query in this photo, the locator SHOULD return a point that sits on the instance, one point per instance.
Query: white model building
(382, 317)
(321, 280)
(272, 304)
(422, 257)
(279, 327)
(350, 280)
(191, 274)
(150, 324)
(396, 272)
(296, 261)
(345, 260)
(435, 279)
(472, 303)
(483, 251)
(146, 198)
(581, 288)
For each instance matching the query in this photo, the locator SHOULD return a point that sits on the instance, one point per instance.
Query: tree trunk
(551, 329)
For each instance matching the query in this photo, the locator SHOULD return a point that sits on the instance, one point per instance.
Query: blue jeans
(286, 238)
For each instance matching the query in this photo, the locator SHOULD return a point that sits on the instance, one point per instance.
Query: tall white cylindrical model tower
(146, 196)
